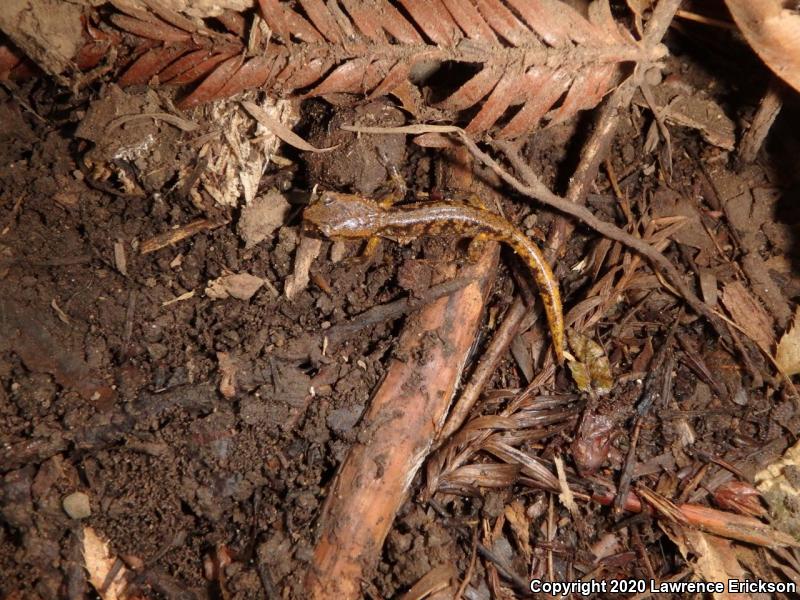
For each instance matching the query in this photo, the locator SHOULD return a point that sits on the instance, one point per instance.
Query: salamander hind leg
(371, 248)
(370, 253)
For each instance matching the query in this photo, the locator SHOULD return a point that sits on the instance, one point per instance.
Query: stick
(404, 414)
(398, 430)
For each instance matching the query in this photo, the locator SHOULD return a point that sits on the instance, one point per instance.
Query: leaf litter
(221, 417)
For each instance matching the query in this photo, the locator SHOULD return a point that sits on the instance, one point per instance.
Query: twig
(470, 568)
(698, 18)
(13, 216)
(483, 372)
(768, 109)
(373, 481)
(540, 192)
(173, 236)
(648, 397)
(391, 310)
(485, 553)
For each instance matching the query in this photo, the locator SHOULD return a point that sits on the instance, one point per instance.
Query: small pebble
(76, 505)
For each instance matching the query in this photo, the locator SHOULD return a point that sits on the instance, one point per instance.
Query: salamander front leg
(476, 201)
(397, 185)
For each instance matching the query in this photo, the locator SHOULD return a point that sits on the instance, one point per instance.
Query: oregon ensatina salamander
(341, 216)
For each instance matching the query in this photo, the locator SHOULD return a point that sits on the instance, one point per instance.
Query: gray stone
(76, 505)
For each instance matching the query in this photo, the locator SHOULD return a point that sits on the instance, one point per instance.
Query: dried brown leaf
(241, 286)
(591, 368)
(714, 559)
(773, 31)
(487, 475)
(748, 314)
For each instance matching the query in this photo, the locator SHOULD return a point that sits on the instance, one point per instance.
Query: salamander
(348, 216)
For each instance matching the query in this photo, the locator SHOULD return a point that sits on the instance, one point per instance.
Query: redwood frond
(538, 60)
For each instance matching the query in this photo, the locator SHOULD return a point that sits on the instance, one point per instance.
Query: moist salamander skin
(349, 216)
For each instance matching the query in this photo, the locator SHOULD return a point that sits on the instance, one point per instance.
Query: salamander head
(343, 215)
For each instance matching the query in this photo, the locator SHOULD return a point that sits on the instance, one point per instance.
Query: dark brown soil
(113, 384)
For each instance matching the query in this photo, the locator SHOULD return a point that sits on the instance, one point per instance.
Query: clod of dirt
(14, 129)
(23, 331)
(262, 217)
(359, 163)
(130, 133)
(76, 505)
(343, 420)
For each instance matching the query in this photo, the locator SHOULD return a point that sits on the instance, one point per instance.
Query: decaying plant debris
(527, 61)
(201, 397)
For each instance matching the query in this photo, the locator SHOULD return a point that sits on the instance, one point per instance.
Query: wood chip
(181, 298)
(787, 355)
(120, 260)
(241, 286)
(307, 251)
(280, 130)
(99, 564)
(708, 285)
(227, 368)
(62, 316)
(435, 581)
(566, 497)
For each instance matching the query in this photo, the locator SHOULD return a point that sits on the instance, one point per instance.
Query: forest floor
(204, 422)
